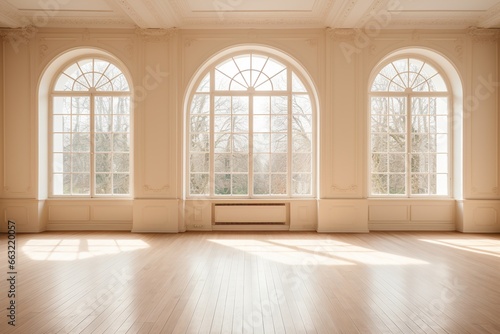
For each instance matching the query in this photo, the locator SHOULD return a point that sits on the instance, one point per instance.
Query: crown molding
(156, 35)
(482, 35)
(342, 34)
(19, 36)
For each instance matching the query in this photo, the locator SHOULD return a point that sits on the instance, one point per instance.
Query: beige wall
(162, 63)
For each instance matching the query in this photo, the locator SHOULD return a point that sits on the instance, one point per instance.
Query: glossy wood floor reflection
(94, 282)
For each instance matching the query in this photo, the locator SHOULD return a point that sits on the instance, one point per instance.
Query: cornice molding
(342, 34)
(19, 35)
(156, 35)
(483, 35)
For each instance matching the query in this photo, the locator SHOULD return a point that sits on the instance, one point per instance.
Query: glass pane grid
(418, 152)
(74, 123)
(274, 137)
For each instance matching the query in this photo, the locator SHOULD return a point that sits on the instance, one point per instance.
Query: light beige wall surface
(162, 64)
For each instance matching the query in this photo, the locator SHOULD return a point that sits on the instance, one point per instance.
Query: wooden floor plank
(252, 282)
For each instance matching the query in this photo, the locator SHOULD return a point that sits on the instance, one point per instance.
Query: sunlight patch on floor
(78, 249)
(320, 252)
(480, 246)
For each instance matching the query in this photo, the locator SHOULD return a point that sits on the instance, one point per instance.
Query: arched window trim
(92, 92)
(450, 104)
(209, 68)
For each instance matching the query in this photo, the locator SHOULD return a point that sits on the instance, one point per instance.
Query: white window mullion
(408, 144)
(289, 135)
(250, 145)
(211, 167)
(92, 146)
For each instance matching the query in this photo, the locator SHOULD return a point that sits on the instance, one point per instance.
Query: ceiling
(372, 14)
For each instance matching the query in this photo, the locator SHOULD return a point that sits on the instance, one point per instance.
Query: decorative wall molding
(459, 47)
(156, 35)
(480, 35)
(350, 188)
(19, 35)
(342, 34)
(42, 49)
(148, 188)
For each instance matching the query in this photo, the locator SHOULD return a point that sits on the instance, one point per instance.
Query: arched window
(90, 130)
(251, 130)
(410, 130)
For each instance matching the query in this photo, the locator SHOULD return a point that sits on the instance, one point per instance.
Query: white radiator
(255, 213)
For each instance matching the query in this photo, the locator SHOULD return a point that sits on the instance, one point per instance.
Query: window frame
(92, 93)
(408, 95)
(212, 93)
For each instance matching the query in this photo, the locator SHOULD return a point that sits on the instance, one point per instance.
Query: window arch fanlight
(410, 132)
(90, 128)
(250, 130)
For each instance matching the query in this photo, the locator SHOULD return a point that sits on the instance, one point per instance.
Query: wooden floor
(228, 282)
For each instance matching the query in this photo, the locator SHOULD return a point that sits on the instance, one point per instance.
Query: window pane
(240, 123)
(301, 104)
(397, 184)
(198, 184)
(200, 124)
(261, 123)
(240, 105)
(379, 163)
(420, 184)
(121, 104)
(397, 142)
(103, 162)
(222, 143)
(199, 162)
(121, 162)
(397, 163)
(81, 142)
(278, 184)
(61, 123)
(103, 123)
(240, 184)
(204, 85)
(121, 184)
(199, 142)
(302, 142)
(261, 184)
(201, 104)
(261, 163)
(279, 163)
(240, 163)
(80, 184)
(222, 105)
(279, 104)
(240, 143)
(103, 142)
(80, 163)
(103, 105)
(302, 123)
(222, 123)
(301, 184)
(261, 143)
(222, 184)
(261, 105)
(222, 163)
(121, 142)
(121, 123)
(301, 162)
(279, 143)
(279, 123)
(103, 183)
